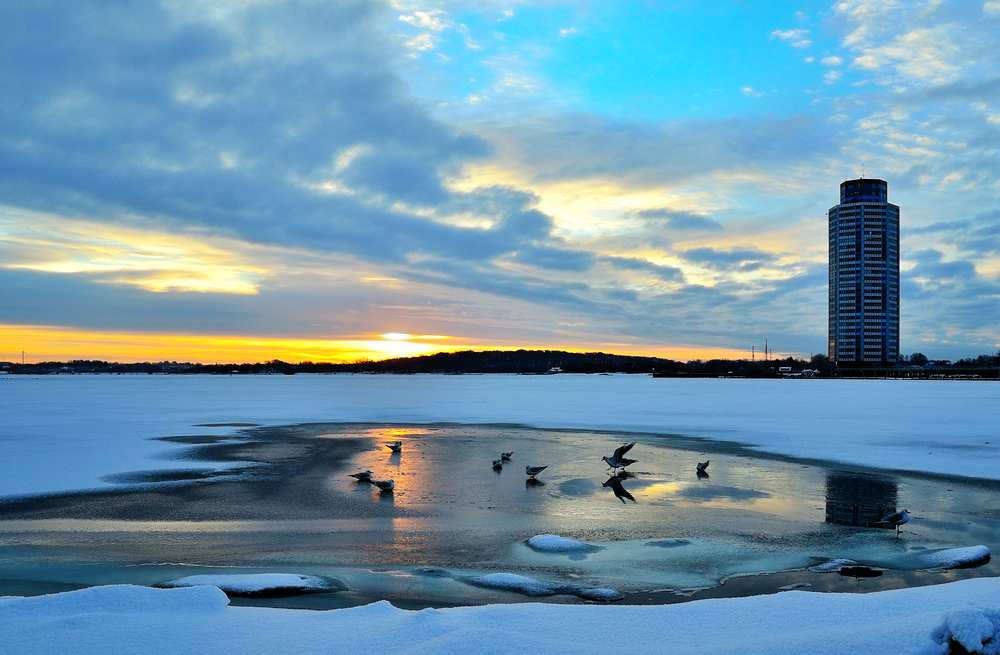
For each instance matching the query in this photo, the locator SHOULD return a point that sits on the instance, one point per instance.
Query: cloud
(832, 60)
(273, 126)
(436, 20)
(664, 273)
(979, 235)
(947, 300)
(677, 220)
(743, 259)
(796, 38)
(576, 147)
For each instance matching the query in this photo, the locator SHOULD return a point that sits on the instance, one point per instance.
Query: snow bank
(976, 629)
(551, 543)
(127, 620)
(257, 584)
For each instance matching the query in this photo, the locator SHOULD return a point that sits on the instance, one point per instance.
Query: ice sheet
(63, 433)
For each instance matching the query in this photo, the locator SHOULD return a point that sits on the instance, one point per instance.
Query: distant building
(864, 276)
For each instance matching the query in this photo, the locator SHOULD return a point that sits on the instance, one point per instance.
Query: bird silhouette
(363, 476)
(615, 484)
(395, 446)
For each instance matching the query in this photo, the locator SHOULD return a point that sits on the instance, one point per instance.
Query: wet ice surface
(456, 520)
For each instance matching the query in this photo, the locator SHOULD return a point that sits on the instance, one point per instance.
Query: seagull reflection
(533, 482)
(615, 484)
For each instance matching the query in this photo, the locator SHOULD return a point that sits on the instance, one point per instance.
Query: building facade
(864, 276)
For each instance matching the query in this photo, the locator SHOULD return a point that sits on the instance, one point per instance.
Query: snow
(953, 558)
(254, 583)
(833, 565)
(522, 584)
(976, 629)
(124, 619)
(551, 543)
(64, 433)
(532, 587)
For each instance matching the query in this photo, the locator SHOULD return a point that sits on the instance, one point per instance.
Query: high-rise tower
(864, 276)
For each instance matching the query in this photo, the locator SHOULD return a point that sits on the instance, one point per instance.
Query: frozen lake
(279, 499)
(63, 433)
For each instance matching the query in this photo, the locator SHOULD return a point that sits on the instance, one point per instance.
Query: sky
(244, 180)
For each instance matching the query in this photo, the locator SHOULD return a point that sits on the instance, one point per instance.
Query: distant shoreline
(536, 362)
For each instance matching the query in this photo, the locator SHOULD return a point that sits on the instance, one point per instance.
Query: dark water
(753, 525)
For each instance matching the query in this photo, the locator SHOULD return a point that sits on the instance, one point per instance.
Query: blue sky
(243, 179)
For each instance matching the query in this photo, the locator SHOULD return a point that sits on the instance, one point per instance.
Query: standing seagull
(364, 476)
(532, 471)
(896, 519)
(703, 465)
(498, 463)
(506, 456)
(618, 460)
(384, 485)
(395, 446)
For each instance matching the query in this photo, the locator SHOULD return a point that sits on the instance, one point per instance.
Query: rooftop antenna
(22, 358)
(862, 171)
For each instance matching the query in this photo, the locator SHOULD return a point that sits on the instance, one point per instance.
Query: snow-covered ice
(255, 583)
(552, 543)
(952, 558)
(532, 587)
(126, 620)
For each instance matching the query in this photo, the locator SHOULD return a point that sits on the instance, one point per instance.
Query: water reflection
(859, 500)
(615, 484)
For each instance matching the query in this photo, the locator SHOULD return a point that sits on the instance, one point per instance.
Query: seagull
(498, 463)
(896, 519)
(532, 471)
(384, 485)
(621, 493)
(364, 476)
(618, 460)
(703, 465)
(395, 446)
(506, 456)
